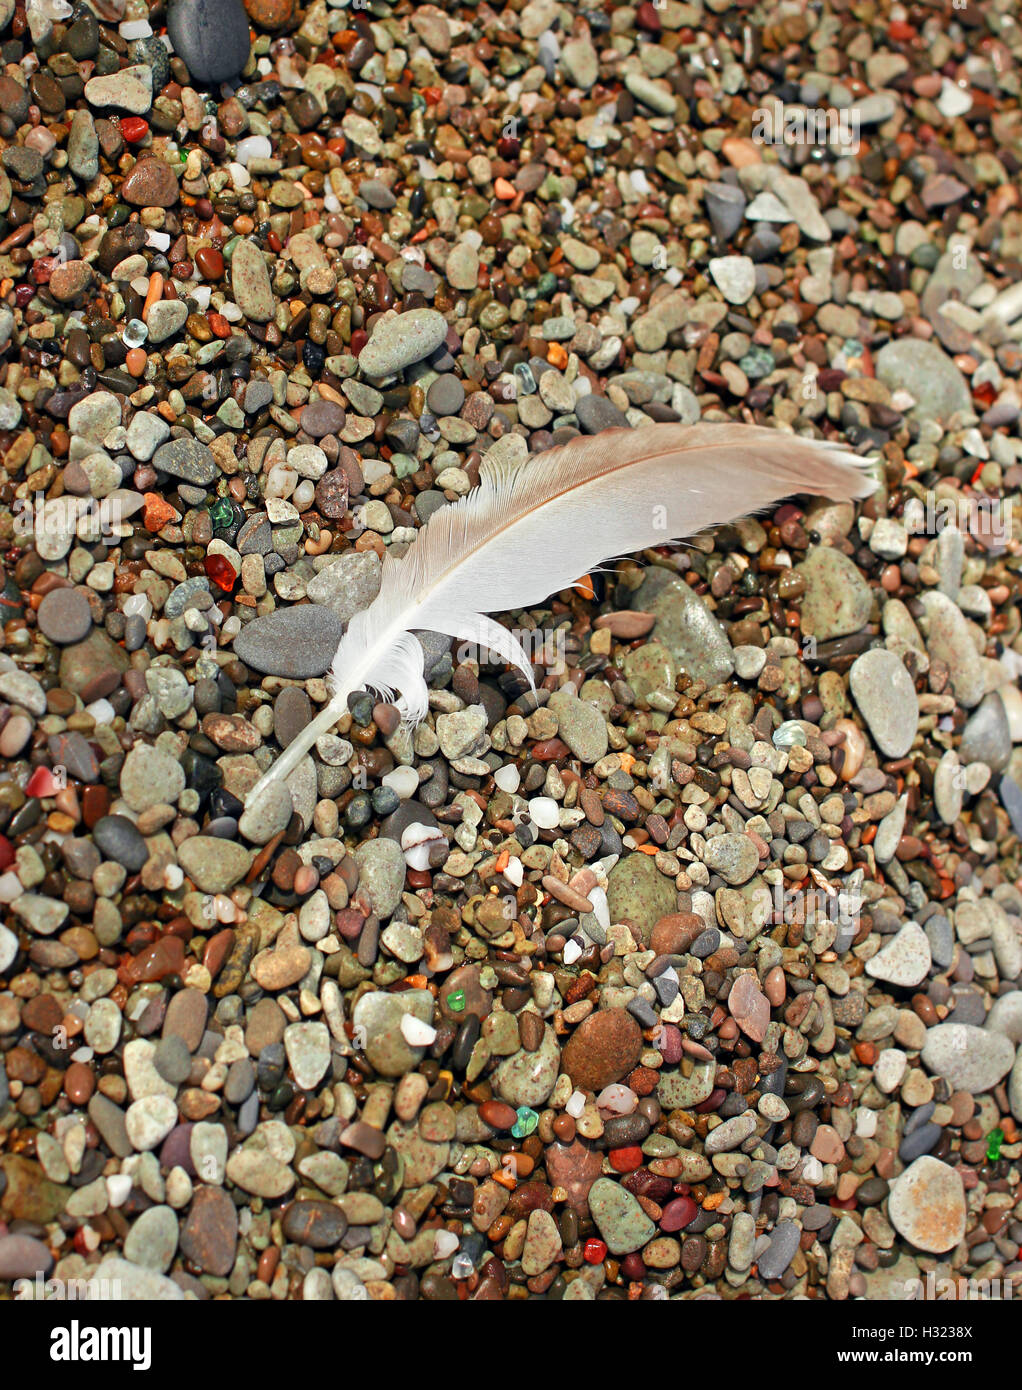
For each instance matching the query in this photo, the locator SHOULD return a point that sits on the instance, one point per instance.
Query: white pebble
(118, 1188)
(102, 711)
(240, 176)
(572, 951)
(403, 780)
(444, 1244)
(159, 241)
(415, 1032)
(576, 1104)
(253, 147)
(508, 778)
(865, 1122)
(416, 842)
(515, 871)
(544, 812)
(135, 29)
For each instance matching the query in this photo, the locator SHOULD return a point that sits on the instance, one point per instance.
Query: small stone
(381, 874)
(734, 857)
(348, 585)
(926, 372)
(621, 1220)
(969, 1058)
(186, 458)
(602, 1049)
(749, 1006)
(297, 642)
(130, 89)
(211, 36)
(735, 277)
(152, 1240)
(209, 1234)
(308, 1052)
(886, 698)
(250, 282)
(837, 599)
(400, 340)
(638, 893)
(151, 777)
(65, 615)
(214, 865)
(150, 184)
(927, 1205)
(905, 960)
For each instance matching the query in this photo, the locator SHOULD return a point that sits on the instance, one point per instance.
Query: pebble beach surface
(697, 973)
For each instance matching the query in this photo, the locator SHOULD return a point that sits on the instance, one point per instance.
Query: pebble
(250, 282)
(402, 340)
(297, 642)
(621, 1221)
(886, 698)
(837, 599)
(905, 960)
(211, 36)
(927, 1205)
(928, 375)
(130, 89)
(969, 1058)
(602, 1049)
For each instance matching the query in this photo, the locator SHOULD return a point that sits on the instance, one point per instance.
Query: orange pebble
(156, 512)
(153, 294)
(135, 361)
(557, 356)
(503, 190)
(221, 328)
(243, 224)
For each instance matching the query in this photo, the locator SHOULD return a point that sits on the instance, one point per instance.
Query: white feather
(519, 537)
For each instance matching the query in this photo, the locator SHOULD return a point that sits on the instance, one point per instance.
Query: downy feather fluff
(519, 537)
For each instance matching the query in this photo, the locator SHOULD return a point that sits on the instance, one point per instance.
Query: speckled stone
(927, 1205)
(969, 1058)
(380, 1015)
(905, 960)
(639, 893)
(622, 1222)
(886, 698)
(837, 599)
(527, 1078)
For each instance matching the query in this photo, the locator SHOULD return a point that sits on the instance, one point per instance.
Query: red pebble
(42, 783)
(134, 129)
(626, 1160)
(647, 18)
(594, 1251)
(633, 1267)
(677, 1214)
(6, 853)
(900, 32)
(221, 571)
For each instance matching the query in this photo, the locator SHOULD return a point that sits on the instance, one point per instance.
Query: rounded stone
(602, 1049)
(969, 1058)
(927, 1205)
(886, 698)
(211, 36)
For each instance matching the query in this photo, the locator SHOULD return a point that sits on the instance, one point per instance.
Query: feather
(526, 534)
